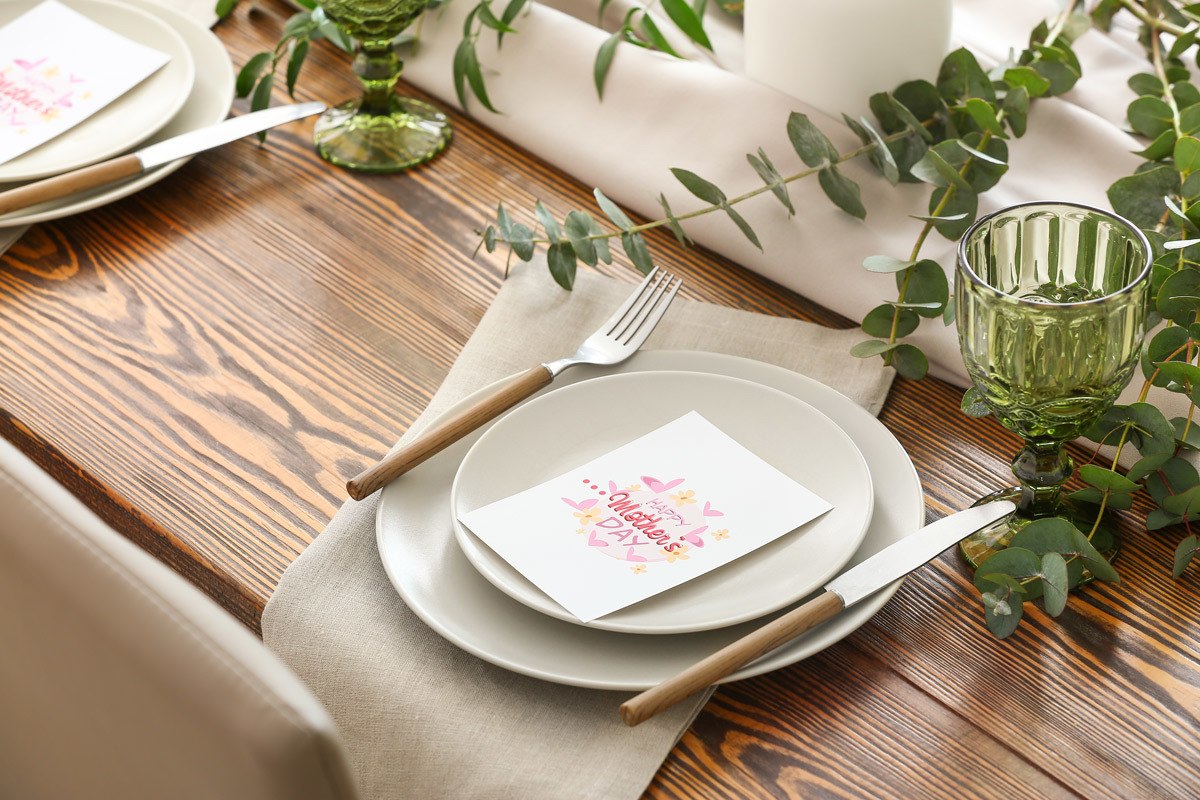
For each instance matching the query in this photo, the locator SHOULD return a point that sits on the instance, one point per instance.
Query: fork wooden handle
(730, 658)
(446, 433)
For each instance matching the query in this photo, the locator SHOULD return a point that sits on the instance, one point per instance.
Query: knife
(855, 584)
(164, 152)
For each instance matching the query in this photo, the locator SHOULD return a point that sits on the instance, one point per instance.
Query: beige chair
(119, 680)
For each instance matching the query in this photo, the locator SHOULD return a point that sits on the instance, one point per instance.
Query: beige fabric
(424, 719)
(118, 679)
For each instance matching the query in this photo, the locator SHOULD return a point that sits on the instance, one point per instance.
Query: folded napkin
(424, 719)
(702, 114)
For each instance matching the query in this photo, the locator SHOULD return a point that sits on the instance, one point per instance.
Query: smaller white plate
(131, 118)
(207, 104)
(544, 438)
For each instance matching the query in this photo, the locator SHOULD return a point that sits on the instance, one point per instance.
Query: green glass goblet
(381, 132)
(1051, 301)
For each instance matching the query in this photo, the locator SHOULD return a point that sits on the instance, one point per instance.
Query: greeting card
(57, 68)
(668, 507)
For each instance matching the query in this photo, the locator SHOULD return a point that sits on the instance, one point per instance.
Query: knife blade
(859, 582)
(155, 155)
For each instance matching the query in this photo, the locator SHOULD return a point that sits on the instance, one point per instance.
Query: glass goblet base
(411, 133)
(979, 546)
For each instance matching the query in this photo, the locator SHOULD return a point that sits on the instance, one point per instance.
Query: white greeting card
(648, 516)
(57, 68)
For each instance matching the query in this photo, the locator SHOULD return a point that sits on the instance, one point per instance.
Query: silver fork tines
(628, 328)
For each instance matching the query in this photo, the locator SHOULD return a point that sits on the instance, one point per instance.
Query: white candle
(834, 54)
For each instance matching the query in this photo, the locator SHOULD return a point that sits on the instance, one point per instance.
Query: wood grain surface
(206, 362)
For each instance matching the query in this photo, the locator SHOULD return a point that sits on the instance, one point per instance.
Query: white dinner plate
(207, 104)
(428, 569)
(544, 438)
(131, 118)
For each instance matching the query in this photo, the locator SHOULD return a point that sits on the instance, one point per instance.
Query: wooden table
(206, 362)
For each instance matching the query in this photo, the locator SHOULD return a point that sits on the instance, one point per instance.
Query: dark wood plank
(206, 362)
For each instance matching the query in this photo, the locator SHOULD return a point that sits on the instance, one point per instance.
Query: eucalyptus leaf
(1150, 116)
(1046, 535)
(910, 361)
(872, 347)
(813, 147)
(1187, 155)
(1016, 110)
(743, 226)
(1054, 584)
(635, 247)
(561, 259)
(957, 214)
(548, 222)
(673, 222)
(934, 169)
(520, 239)
(706, 191)
(295, 64)
(1145, 466)
(1106, 479)
(885, 264)
(879, 321)
(1139, 197)
(882, 156)
(1028, 79)
(961, 77)
(578, 227)
(771, 177)
(984, 115)
(1096, 497)
(925, 282)
(612, 211)
(1184, 553)
(842, 191)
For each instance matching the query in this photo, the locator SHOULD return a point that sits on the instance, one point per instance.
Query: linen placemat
(425, 719)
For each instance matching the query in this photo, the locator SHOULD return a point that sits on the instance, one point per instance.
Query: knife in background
(164, 152)
(853, 585)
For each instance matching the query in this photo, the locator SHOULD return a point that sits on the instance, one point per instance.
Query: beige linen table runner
(424, 719)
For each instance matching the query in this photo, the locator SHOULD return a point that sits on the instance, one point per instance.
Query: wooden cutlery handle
(731, 658)
(69, 183)
(446, 433)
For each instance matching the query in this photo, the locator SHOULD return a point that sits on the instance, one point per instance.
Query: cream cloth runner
(425, 719)
(659, 112)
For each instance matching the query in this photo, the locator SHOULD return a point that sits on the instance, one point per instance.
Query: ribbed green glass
(381, 132)
(1051, 304)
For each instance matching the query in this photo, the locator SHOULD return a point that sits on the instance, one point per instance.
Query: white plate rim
(164, 115)
(223, 83)
(801, 648)
(476, 550)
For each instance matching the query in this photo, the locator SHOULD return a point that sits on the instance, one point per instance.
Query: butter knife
(855, 584)
(155, 155)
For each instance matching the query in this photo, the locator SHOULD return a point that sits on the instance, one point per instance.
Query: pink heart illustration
(657, 486)
(64, 101)
(709, 511)
(693, 537)
(582, 505)
(595, 541)
(632, 556)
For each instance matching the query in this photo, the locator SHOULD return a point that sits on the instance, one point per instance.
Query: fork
(616, 340)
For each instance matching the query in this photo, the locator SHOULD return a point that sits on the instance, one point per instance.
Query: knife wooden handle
(69, 183)
(731, 658)
(446, 433)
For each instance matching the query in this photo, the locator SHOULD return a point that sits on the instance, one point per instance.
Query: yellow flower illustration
(682, 498)
(721, 534)
(679, 554)
(589, 516)
(581, 530)
(639, 569)
(50, 72)
(633, 487)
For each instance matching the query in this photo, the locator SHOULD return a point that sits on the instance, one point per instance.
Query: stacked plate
(479, 602)
(193, 90)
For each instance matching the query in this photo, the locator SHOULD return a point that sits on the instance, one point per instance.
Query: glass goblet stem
(1042, 467)
(378, 67)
